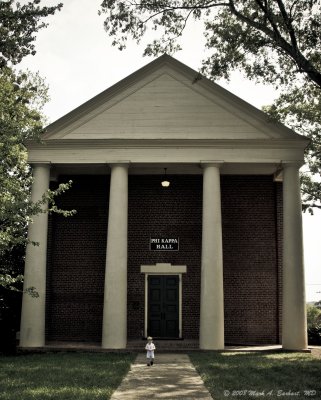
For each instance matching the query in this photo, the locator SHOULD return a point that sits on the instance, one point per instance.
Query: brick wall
(76, 267)
(252, 276)
(250, 252)
(172, 212)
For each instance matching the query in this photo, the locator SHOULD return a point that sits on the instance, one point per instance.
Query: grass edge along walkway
(63, 376)
(84, 376)
(252, 375)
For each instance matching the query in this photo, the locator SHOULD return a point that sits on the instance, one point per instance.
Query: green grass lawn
(63, 376)
(89, 376)
(275, 375)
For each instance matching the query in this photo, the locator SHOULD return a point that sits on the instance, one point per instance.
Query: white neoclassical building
(215, 257)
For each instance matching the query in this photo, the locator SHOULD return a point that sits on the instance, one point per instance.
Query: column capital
(293, 164)
(41, 164)
(211, 163)
(119, 163)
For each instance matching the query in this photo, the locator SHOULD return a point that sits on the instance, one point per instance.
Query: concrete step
(164, 345)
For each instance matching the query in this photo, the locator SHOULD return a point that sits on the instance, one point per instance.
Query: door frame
(164, 269)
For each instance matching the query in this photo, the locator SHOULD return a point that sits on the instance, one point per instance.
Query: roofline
(100, 98)
(156, 143)
(133, 78)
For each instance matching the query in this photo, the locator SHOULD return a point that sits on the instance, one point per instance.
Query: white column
(212, 297)
(114, 335)
(32, 329)
(294, 325)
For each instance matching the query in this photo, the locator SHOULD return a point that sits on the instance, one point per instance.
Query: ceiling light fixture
(165, 181)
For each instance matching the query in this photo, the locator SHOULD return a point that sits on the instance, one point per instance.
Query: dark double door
(163, 306)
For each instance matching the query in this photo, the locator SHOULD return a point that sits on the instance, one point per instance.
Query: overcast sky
(75, 56)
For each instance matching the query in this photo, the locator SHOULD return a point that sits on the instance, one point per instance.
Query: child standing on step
(150, 347)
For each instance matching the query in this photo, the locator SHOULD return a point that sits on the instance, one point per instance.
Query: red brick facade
(76, 262)
(250, 258)
(251, 215)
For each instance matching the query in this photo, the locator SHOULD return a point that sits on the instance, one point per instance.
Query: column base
(113, 345)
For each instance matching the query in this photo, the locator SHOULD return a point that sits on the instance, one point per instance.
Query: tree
(22, 96)
(300, 109)
(313, 316)
(18, 25)
(272, 41)
(314, 324)
(239, 33)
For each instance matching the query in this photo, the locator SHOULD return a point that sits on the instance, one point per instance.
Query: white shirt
(150, 347)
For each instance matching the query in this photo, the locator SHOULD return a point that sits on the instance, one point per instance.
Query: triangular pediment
(166, 100)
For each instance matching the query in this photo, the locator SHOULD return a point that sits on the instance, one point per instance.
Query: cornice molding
(168, 143)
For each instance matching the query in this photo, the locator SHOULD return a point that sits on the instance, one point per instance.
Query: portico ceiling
(172, 169)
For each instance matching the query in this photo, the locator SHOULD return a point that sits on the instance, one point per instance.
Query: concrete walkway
(171, 377)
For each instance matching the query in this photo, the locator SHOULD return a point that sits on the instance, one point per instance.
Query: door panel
(163, 306)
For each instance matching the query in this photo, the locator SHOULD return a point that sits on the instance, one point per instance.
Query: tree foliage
(300, 108)
(20, 120)
(314, 324)
(18, 26)
(22, 96)
(272, 41)
(313, 316)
